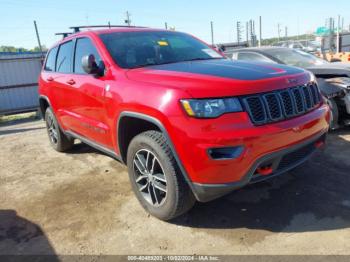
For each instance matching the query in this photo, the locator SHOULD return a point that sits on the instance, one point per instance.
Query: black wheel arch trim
(159, 124)
(47, 100)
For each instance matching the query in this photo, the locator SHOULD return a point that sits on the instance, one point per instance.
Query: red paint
(319, 144)
(264, 171)
(85, 107)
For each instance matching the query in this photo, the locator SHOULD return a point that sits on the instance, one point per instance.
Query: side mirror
(90, 66)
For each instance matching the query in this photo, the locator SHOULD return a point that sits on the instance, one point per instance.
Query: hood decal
(229, 69)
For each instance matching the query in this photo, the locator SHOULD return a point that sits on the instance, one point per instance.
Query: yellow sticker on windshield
(162, 43)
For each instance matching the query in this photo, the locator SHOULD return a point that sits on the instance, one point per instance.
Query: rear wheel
(58, 140)
(155, 177)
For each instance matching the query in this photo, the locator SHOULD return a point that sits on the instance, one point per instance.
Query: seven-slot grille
(283, 104)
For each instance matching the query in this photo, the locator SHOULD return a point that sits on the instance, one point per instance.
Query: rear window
(51, 60)
(64, 58)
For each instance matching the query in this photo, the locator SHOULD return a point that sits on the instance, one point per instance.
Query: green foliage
(274, 40)
(13, 49)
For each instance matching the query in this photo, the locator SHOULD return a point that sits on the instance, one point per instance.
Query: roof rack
(76, 29)
(64, 34)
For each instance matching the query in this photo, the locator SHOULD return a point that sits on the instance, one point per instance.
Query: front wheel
(155, 177)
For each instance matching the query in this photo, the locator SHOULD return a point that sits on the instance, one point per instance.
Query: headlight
(211, 108)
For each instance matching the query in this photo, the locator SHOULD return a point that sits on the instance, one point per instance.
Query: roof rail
(76, 29)
(64, 34)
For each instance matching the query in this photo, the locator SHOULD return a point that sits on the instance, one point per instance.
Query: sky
(17, 29)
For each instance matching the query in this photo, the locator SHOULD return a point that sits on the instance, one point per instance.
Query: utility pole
(338, 35)
(239, 31)
(247, 31)
(166, 26)
(298, 28)
(286, 33)
(251, 28)
(212, 32)
(38, 38)
(127, 20)
(260, 31)
(279, 32)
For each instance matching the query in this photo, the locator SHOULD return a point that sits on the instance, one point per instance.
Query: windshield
(139, 49)
(295, 57)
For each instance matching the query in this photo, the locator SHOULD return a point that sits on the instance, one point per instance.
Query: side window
(253, 57)
(84, 47)
(64, 58)
(51, 60)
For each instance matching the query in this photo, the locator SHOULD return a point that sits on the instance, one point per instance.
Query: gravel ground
(81, 203)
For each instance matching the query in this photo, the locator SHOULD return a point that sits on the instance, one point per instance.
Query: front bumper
(281, 161)
(210, 178)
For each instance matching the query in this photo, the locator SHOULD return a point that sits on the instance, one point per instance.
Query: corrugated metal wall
(18, 82)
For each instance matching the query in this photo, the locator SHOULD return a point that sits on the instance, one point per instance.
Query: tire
(58, 140)
(334, 111)
(178, 198)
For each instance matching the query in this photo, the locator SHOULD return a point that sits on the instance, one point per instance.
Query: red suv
(188, 123)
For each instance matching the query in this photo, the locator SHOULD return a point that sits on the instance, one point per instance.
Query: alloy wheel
(51, 127)
(150, 177)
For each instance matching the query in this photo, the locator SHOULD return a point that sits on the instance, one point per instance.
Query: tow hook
(264, 170)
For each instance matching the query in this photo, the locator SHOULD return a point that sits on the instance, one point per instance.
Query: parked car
(189, 123)
(333, 78)
(304, 45)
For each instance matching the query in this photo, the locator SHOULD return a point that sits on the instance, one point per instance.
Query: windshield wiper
(143, 65)
(202, 58)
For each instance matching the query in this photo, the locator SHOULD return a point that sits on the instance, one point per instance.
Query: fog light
(225, 153)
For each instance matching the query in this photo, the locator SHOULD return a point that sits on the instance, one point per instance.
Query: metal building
(19, 82)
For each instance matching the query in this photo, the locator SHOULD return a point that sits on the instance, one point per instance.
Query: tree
(37, 49)
(12, 49)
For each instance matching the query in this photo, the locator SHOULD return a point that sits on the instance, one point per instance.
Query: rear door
(65, 96)
(48, 74)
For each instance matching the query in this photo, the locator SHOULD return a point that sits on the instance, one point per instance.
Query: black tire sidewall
(49, 113)
(166, 210)
(63, 142)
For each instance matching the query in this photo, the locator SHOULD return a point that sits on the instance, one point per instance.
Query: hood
(337, 68)
(221, 77)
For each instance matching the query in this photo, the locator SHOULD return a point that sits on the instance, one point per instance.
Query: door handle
(71, 82)
(50, 79)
